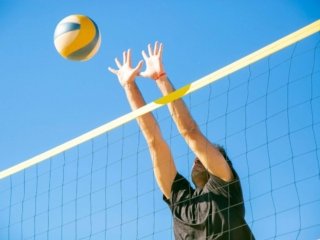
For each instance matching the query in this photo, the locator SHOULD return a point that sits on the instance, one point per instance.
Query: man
(215, 209)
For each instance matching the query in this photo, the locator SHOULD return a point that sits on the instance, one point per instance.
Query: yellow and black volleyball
(77, 37)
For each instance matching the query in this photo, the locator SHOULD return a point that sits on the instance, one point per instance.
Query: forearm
(163, 165)
(186, 125)
(147, 122)
(208, 154)
(180, 113)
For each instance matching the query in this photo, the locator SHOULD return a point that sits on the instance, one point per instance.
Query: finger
(155, 50)
(118, 63)
(139, 66)
(113, 70)
(124, 56)
(160, 50)
(150, 49)
(144, 55)
(129, 57)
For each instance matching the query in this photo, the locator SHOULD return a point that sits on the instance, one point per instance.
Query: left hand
(154, 66)
(126, 73)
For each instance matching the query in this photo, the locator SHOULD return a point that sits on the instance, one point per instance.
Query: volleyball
(77, 38)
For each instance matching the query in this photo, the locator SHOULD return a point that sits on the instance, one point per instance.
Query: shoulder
(224, 188)
(191, 207)
(180, 190)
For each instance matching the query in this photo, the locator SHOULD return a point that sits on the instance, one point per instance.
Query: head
(199, 173)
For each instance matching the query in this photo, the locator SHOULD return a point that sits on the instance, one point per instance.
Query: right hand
(154, 66)
(126, 73)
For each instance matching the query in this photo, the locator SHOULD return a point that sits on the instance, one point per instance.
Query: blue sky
(46, 100)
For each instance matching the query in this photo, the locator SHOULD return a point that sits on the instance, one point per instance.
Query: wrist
(128, 85)
(165, 85)
(160, 76)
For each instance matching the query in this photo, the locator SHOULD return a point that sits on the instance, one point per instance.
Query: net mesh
(266, 115)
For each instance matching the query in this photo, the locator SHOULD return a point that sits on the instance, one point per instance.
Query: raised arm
(207, 153)
(163, 165)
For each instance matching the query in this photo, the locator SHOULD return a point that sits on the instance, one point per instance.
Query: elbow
(190, 132)
(151, 141)
(155, 141)
(153, 136)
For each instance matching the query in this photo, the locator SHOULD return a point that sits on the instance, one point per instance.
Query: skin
(163, 165)
(209, 160)
(199, 174)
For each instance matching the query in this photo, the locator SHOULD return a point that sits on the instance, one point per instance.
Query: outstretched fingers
(138, 67)
(113, 70)
(124, 57)
(150, 50)
(160, 50)
(129, 57)
(156, 46)
(156, 51)
(144, 55)
(118, 63)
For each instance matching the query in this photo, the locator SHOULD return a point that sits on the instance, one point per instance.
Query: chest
(201, 210)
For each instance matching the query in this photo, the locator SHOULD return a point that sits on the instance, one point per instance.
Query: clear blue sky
(46, 100)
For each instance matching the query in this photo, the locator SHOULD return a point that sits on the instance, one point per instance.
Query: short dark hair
(222, 151)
